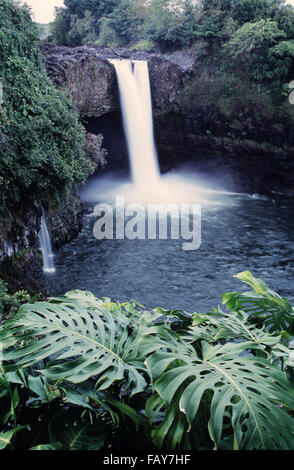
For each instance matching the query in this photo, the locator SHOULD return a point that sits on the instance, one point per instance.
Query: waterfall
(46, 247)
(135, 96)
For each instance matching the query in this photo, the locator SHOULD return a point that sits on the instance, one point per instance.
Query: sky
(44, 9)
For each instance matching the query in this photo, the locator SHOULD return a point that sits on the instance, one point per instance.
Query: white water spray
(46, 247)
(134, 86)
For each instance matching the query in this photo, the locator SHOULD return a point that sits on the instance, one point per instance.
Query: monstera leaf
(80, 338)
(219, 325)
(247, 391)
(264, 305)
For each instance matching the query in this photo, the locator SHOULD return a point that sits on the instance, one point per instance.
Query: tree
(221, 18)
(171, 24)
(98, 8)
(245, 11)
(107, 36)
(125, 21)
(254, 37)
(252, 46)
(78, 23)
(41, 139)
(82, 30)
(61, 26)
(285, 19)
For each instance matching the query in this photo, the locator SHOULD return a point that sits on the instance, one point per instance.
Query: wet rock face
(87, 79)
(95, 151)
(166, 81)
(24, 272)
(21, 231)
(242, 165)
(21, 263)
(65, 222)
(20, 259)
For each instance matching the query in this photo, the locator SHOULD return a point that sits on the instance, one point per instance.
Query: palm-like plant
(219, 380)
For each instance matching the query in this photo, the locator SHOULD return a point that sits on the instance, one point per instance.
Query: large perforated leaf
(247, 391)
(80, 337)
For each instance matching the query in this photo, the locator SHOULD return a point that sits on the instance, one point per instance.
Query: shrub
(107, 36)
(143, 45)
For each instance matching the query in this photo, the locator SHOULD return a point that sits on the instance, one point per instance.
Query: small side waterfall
(46, 247)
(135, 96)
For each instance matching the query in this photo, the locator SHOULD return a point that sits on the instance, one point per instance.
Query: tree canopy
(165, 23)
(255, 35)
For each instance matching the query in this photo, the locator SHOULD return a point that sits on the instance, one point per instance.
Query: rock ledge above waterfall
(89, 80)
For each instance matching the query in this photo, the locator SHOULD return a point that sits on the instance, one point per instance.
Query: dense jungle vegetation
(41, 139)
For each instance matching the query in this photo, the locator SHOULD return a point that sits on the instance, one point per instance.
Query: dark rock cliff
(88, 81)
(87, 77)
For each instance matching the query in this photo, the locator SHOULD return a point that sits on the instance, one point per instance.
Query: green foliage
(171, 27)
(9, 304)
(97, 370)
(284, 48)
(79, 22)
(107, 36)
(82, 30)
(99, 9)
(125, 21)
(97, 344)
(241, 391)
(255, 45)
(251, 38)
(41, 139)
(245, 11)
(143, 45)
(265, 306)
(44, 30)
(61, 26)
(254, 38)
(172, 23)
(129, 21)
(285, 19)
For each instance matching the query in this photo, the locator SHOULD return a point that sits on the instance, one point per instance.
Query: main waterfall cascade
(148, 185)
(46, 247)
(135, 95)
